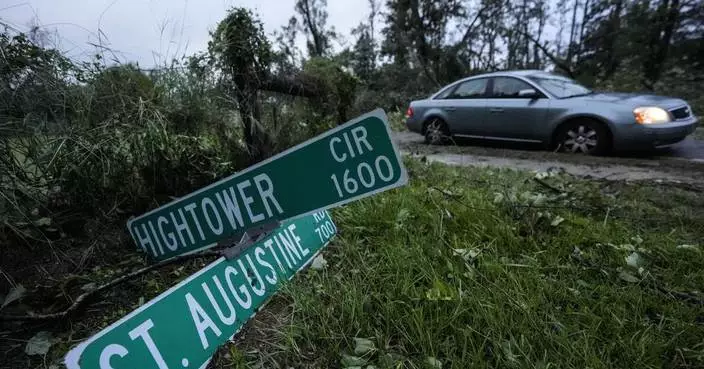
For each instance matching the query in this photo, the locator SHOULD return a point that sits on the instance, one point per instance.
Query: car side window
(471, 89)
(445, 93)
(507, 87)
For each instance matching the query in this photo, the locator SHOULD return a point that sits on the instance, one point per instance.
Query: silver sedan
(545, 108)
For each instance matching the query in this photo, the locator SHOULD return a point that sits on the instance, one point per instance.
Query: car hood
(633, 99)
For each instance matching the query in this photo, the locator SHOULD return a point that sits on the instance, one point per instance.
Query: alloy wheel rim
(435, 132)
(581, 139)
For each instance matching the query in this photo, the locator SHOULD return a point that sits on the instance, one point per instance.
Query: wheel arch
(431, 116)
(577, 118)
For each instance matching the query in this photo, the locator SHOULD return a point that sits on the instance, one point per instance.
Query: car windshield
(561, 87)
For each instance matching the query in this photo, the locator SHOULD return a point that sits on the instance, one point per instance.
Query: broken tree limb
(564, 66)
(85, 297)
(548, 186)
(303, 86)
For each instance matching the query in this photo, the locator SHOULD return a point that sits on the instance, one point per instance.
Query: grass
(474, 268)
(464, 268)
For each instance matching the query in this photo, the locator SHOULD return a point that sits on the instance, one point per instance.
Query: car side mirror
(528, 92)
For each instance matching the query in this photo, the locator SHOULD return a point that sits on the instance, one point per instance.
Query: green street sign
(349, 162)
(183, 327)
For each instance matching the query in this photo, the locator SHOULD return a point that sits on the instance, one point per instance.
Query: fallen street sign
(349, 162)
(183, 327)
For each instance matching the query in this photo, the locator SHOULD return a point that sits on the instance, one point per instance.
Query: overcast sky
(152, 32)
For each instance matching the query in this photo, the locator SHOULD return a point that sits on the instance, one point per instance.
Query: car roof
(518, 73)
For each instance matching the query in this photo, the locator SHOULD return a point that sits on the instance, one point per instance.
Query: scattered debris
(319, 263)
(634, 260)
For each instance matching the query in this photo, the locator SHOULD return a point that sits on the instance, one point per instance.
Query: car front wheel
(585, 137)
(436, 133)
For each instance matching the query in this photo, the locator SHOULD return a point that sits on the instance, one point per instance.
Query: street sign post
(183, 327)
(349, 162)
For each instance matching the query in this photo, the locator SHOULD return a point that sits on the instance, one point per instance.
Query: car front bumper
(637, 136)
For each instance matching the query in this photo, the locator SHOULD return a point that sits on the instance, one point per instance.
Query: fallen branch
(682, 296)
(446, 192)
(302, 86)
(548, 186)
(83, 298)
(562, 64)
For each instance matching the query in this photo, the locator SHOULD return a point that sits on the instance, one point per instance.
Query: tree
(32, 79)
(664, 20)
(363, 58)
(421, 26)
(288, 57)
(313, 23)
(242, 52)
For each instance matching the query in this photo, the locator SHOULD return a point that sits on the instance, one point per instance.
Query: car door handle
(496, 110)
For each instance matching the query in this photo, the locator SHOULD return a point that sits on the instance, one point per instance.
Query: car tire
(436, 132)
(583, 137)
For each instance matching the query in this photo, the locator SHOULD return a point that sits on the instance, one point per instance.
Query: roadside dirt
(630, 166)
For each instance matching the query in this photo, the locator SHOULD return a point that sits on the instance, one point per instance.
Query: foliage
(32, 80)
(117, 94)
(243, 54)
(339, 86)
(240, 48)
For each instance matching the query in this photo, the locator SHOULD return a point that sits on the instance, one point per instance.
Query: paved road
(687, 149)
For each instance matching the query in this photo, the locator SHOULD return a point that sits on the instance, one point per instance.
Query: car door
(511, 116)
(465, 106)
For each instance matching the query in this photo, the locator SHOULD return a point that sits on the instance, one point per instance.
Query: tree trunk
(573, 31)
(255, 138)
(581, 32)
(667, 19)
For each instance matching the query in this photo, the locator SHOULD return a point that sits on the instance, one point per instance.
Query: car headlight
(651, 115)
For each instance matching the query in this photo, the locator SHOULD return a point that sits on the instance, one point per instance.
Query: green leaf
(498, 197)
(433, 362)
(363, 346)
(319, 263)
(634, 260)
(39, 344)
(467, 254)
(15, 294)
(352, 361)
(557, 220)
(43, 222)
(688, 247)
(628, 277)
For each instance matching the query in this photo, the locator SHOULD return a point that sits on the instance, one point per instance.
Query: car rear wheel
(583, 137)
(436, 132)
